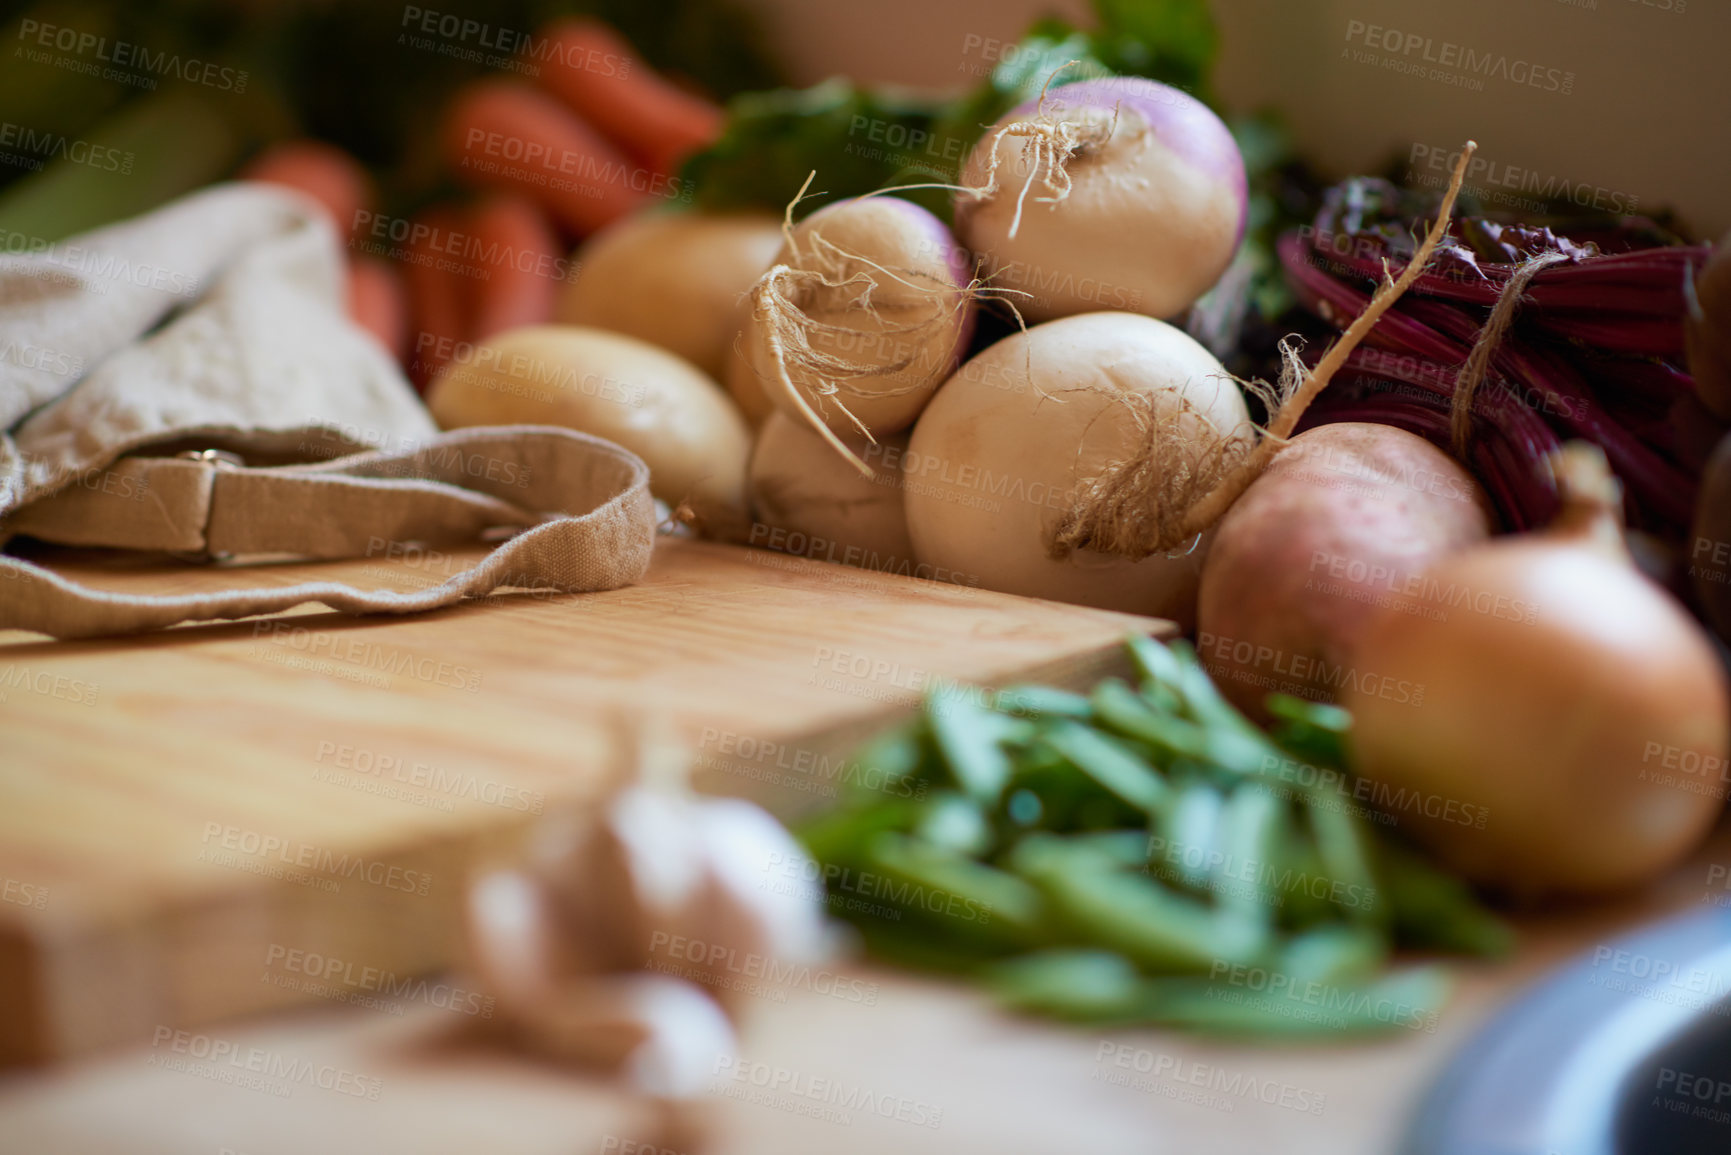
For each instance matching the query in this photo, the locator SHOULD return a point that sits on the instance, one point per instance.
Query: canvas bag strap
(581, 506)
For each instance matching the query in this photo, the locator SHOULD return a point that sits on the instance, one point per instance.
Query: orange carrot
(324, 172)
(519, 264)
(501, 134)
(592, 68)
(378, 303)
(438, 284)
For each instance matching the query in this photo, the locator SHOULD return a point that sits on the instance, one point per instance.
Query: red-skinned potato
(1345, 516)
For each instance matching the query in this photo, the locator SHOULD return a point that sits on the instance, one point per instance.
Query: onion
(1541, 686)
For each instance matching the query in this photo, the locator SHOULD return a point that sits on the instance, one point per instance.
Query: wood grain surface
(173, 806)
(918, 1049)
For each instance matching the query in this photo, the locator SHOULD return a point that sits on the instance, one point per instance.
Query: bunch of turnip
(1085, 457)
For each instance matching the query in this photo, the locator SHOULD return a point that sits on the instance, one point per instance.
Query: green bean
(1343, 842)
(1110, 764)
(1133, 915)
(967, 896)
(1251, 828)
(1080, 985)
(970, 739)
(1044, 701)
(1257, 1006)
(1190, 828)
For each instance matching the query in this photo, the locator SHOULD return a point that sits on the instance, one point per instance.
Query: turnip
(821, 505)
(1345, 518)
(1089, 458)
(867, 308)
(675, 279)
(1025, 434)
(1562, 696)
(1115, 193)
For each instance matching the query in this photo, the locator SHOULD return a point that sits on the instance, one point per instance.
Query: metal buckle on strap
(218, 459)
(221, 458)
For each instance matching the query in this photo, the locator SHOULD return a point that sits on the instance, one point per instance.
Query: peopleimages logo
(1444, 60)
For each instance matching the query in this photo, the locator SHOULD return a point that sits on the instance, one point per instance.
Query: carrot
(519, 263)
(324, 172)
(592, 69)
(378, 303)
(438, 284)
(502, 134)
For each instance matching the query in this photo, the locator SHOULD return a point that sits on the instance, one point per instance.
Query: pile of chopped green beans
(1144, 854)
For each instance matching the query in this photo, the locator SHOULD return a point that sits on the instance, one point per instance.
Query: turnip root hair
(1175, 485)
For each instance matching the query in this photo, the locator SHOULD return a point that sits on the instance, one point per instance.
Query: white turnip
(866, 310)
(810, 501)
(1106, 421)
(1117, 193)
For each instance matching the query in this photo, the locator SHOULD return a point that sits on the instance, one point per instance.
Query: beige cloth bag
(187, 381)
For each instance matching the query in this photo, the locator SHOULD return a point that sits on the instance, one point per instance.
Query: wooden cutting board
(177, 809)
(946, 1072)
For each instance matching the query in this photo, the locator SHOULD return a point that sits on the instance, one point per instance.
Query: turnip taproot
(1346, 517)
(653, 403)
(1566, 725)
(1022, 434)
(1118, 192)
(799, 485)
(867, 308)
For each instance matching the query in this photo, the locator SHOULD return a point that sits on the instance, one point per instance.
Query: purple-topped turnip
(1118, 193)
(865, 311)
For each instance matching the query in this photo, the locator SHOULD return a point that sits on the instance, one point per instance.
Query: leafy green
(859, 140)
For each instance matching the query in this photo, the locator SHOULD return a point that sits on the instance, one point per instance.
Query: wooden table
(173, 806)
(105, 809)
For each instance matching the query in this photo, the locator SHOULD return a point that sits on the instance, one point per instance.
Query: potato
(674, 279)
(824, 507)
(625, 390)
(1343, 520)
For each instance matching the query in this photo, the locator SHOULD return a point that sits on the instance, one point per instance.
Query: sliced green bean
(1133, 915)
(1110, 764)
(1252, 828)
(1343, 843)
(1044, 702)
(967, 896)
(1190, 828)
(1080, 985)
(954, 822)
(970, 739)
(1432, 909)
(1261, 1004)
